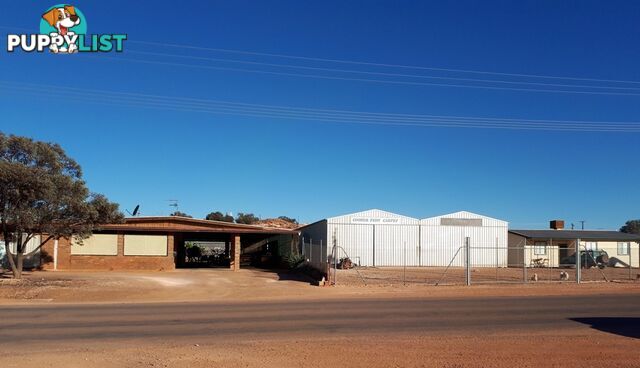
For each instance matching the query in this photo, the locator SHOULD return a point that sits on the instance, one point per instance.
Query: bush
(295, 260)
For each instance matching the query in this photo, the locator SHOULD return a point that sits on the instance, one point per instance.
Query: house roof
(186, 224)
(577, 234)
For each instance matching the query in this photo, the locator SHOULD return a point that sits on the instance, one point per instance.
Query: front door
(563, 252)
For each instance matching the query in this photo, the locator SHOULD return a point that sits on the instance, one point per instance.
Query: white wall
(440, 241)
(381, 238)
(376, 238)
(611, 248)
(29, 261)
(551, 258)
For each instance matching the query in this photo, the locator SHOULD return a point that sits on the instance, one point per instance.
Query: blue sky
(310, 170)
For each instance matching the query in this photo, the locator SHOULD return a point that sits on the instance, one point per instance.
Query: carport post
(55, 256)
(234, 263)
(578, 262)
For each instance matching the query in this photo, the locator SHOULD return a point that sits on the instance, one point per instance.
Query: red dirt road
(541, 331)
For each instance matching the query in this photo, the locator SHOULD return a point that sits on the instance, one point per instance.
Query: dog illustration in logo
(62, 19)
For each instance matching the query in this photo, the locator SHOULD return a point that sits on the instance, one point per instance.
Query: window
(540, 248)
(623, 249)
(95, 245)
(145, 245)
(591, 245)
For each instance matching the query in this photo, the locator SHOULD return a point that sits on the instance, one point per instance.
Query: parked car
(588, 259)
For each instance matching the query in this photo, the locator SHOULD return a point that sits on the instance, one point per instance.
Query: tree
(247, 218)
(631, 227)
(219, 216)
(181, 214)
(288, 219)
(42, 193)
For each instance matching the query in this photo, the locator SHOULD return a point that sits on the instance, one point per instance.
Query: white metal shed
(369, 238)
(442, 240)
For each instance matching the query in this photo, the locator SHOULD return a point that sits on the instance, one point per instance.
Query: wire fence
(481, 264)
(315, 254)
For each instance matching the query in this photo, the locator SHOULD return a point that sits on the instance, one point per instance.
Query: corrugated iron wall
(441, 238)
(412, 242)
(376, 244)
(439, 245)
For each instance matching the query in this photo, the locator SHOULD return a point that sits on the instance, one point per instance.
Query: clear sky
(146, 154)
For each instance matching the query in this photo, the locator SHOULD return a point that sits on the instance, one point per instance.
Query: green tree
(631, 227)
(219, 216)
(247, 218)
(181, 214)
(42, 192)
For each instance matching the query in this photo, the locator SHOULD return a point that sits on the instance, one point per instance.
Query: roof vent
(556, 224)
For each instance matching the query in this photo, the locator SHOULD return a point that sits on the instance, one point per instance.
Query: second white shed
(443, 238)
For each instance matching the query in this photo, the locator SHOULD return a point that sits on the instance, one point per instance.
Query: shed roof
(374, 212)
(465, 215)
(577, 234)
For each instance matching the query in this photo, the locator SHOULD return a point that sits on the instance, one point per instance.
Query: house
(163, 243)
(556, 247)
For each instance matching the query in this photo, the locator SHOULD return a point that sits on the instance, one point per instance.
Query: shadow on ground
(289, 275)
(622, 326)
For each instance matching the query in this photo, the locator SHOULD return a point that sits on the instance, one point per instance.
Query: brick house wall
(67, 261)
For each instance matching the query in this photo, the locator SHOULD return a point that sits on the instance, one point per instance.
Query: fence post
(404, 274)
(578, 262)
(524, 262)
(335, 264)
(467, 247)
(497, 258)
(321, 257)
(630, 259)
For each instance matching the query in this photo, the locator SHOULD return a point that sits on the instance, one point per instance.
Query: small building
(556, 247)
(166, 243)
(443, 240)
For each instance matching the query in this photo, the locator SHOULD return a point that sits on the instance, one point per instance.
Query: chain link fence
(483, 263)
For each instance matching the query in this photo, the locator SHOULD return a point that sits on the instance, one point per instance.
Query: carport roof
(185, 224)
(577, 234)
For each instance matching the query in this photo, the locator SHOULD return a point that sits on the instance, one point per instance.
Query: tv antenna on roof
(135, 212)
(582, 223)
(173, 203)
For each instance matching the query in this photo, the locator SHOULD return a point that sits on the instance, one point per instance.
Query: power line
(358, 62)
(377, 73)
(271, 108)
(343, 61)
(316, 76)
(15, 85)
(248, 110)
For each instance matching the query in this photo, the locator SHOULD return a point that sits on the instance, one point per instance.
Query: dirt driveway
(178, 285)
